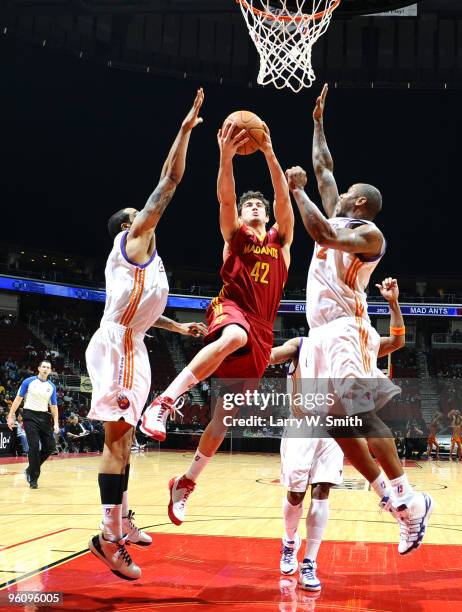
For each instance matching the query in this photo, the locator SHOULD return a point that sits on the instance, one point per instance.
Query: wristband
(398, 331)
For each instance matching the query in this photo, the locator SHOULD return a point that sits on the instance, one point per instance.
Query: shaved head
(373, 196)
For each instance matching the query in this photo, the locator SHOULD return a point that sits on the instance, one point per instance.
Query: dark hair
(44, 361)
(374, 198)
(114, 225)
(253, 195)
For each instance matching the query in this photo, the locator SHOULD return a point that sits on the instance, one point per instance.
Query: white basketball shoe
(132, 533)
(289, 562)
(115, 556)
(413, 519)
(180, 489)
(308, 579)
(154, 420)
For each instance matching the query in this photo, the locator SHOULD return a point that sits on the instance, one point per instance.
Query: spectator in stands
(76, 434)
(94, 437)
(400, 442)
(2, 416)
(9, 364)
(416, 437)
(21, 434)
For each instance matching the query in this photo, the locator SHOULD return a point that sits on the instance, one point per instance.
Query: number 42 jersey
(254, 272)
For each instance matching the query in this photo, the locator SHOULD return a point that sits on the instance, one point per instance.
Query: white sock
(182, 383)
(381, 486)
(112, 522)
(198, 464)
(125, 508)
(292, 516)
(402, 490)
(316, 521)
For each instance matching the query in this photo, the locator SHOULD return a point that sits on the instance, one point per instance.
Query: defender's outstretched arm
(172, 173)
(323, 163)
(397, 339)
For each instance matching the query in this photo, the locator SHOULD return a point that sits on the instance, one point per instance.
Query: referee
(39, 392)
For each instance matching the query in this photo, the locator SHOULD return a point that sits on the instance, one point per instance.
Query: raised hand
(266, 145)
(296, 178)
(389, 289)
(320, 103)
(192, 118)
(229, 143)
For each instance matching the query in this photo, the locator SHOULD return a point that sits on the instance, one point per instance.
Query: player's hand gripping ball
(255, 130)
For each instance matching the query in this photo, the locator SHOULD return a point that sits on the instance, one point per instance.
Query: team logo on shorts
(123, 401)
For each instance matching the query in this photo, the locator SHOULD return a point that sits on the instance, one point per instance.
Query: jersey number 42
(260, 272)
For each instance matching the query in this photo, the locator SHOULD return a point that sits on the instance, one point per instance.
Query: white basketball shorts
(306, 461)
(120, 373)
(342, 358)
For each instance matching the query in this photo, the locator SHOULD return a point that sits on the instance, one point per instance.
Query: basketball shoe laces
(123, 553)
(287, 554)
(307, 570)
(133, 527)
(162, 410)
(409, 526)
(170, 410)
(189, 488)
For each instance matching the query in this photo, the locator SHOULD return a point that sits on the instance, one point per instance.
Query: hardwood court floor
(227, 552)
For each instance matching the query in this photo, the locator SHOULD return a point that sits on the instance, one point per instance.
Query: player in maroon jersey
(241, 318)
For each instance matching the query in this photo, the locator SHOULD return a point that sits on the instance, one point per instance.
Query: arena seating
(13, 345)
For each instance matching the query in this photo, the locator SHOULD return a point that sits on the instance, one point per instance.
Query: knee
(233, 340)
(320, 490)
(294, 498)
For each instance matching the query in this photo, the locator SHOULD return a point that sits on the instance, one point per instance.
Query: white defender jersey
(337, 281)
(136, 295)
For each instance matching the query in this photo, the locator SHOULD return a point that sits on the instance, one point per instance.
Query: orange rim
(286, 18)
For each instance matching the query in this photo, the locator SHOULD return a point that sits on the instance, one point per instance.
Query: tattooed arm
(140, 240)
(187, 329)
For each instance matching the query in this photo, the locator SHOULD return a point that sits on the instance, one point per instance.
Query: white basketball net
(284, 38)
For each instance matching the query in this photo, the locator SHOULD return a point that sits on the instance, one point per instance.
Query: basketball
(246, 120)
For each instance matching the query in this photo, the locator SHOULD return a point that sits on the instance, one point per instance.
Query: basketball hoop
(284, 38)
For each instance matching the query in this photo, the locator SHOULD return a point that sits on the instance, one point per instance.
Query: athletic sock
(381, 486)
(292, 516)
(111, 491)
(198, 464)
(316, 521)
(403, 492)
(125, 508)
(182, 383)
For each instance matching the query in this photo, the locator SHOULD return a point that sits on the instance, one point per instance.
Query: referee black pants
(39, 430)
